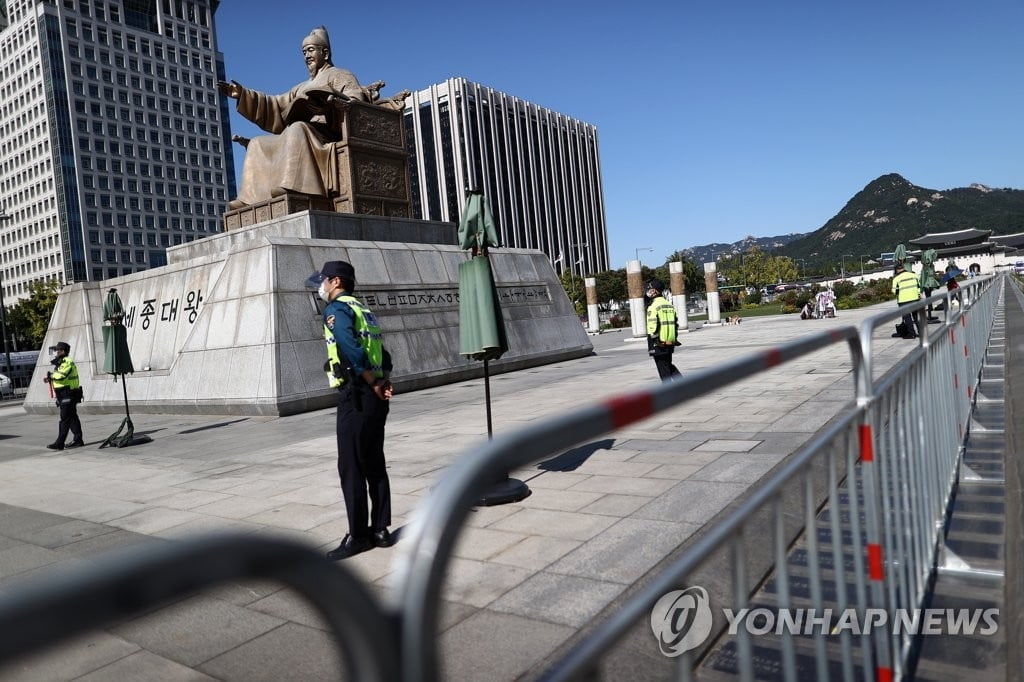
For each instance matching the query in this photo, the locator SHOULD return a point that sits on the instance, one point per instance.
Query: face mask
(322, 292)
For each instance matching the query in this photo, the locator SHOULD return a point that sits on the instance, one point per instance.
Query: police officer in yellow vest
(67, 390)
(662, 331)
(358, 366)
(907, 289)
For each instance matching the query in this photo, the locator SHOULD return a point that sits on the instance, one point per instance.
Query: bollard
(637, 309)
(711, 284)
(593, 321)
(677, 282)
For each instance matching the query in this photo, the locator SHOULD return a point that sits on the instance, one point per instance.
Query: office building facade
(540, 170)
(114, 142)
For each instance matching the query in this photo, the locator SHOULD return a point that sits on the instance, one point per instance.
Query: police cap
(655, 284)
(332, 268)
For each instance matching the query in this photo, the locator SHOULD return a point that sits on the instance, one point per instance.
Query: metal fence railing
(881, 540)
(853, 520)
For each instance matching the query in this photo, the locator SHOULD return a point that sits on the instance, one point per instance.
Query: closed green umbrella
(481, 325)
(117, 360)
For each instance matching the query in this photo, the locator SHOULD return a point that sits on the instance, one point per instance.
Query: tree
(692, 273)
(575, 290)
(611, 285)
(30, 317)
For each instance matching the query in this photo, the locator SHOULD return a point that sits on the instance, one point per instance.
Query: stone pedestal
(227, 326)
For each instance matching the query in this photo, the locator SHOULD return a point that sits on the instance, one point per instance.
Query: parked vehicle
(6, 386)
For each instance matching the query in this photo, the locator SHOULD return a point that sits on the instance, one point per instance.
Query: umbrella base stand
(505, 491)
(126, 439)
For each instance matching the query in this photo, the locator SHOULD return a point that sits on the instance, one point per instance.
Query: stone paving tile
(676, 472)
(263, 488)
(291, 606)
(624, 552)
(483, 543)
(622, 485)
(616, 505)
(153, 520)
(69, 660)
(189, 499)
(497, 646)
(738, 468)
(206, 525)
(322, 494)
(478, 583)
(238, 507)
(630, 469)
(536, 551)
(678, 458)
(299, 516)
(560, 500)
(555, 480)
(144, 665)
(723, 445)
(561, 599)
(196, 630)
(312, 655)
(119, 540)
(691, 502)
(23, 557)
(556, 524)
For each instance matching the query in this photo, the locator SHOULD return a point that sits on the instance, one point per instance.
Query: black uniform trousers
(69, 420)
(663, 361)
(361, 467)
(910, 325)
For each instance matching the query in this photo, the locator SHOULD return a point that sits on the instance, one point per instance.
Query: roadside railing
(853, 520)
(897, 451)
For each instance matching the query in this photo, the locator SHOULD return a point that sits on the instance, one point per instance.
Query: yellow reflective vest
(367, 335)
(661, 321)
(906, 287)
(66, 374)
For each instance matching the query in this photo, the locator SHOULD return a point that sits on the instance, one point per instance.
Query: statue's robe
(296, 156)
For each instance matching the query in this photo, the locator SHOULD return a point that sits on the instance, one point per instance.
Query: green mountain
(709, 252)
(891, 211)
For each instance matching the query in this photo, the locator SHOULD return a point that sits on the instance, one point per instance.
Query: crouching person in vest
(661, 331)
(67, 390)
(358, 367)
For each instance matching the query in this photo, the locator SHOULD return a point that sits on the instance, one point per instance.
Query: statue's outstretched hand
(232, 89)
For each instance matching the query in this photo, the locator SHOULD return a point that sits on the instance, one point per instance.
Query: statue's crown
(318, 36)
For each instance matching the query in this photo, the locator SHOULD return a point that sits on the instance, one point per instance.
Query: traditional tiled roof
(952, 239)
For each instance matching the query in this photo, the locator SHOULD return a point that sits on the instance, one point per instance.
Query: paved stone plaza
(527, 577)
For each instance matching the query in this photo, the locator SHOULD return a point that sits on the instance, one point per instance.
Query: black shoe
(74, 444)
(895, 334)
(350, 546)
(55, 446)
(382, 538)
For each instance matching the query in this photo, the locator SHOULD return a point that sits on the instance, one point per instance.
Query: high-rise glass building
(540, 170)
(114, 142)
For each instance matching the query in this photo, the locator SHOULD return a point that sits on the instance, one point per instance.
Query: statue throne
(368, 168)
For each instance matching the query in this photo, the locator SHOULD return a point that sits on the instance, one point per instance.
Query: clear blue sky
(716, 119)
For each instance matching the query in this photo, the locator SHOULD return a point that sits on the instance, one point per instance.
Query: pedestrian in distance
(358, 366)
(67, 391)
(907, 289)
(662, 331)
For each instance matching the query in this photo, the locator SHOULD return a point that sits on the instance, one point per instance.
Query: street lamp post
(572, 266)
(637, 251)
(3, 309)
(844, 257)
(863, 256)
(803, 264)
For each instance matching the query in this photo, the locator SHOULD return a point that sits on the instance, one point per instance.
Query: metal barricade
(127, 585)
(878, 479)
